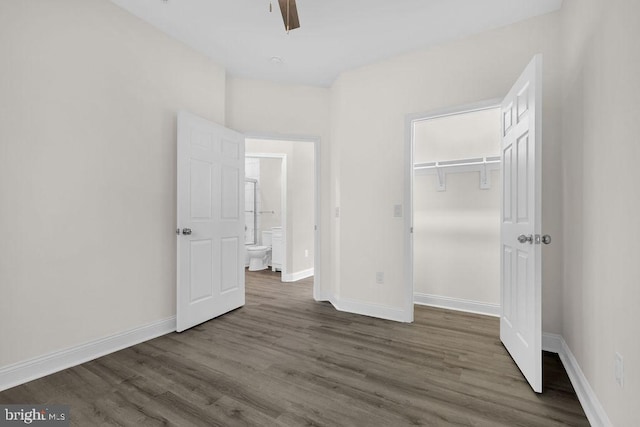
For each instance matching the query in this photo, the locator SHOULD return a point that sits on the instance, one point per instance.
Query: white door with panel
(210, 273)
(521, 317)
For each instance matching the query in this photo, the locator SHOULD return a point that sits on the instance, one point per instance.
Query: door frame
(317, 243)
(283, 196)
(410, 120)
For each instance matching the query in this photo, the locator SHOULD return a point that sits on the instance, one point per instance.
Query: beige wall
(456, 240)
(300, 197)
(459, 136)
(269, 194)
(600, 111)
(301, 201)
(88, 105)
(368, 139)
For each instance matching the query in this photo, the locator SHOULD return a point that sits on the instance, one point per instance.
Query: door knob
(546, 239)
(186, 231)
(524, 239)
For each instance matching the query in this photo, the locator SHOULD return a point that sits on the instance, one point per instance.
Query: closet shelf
(483, 165)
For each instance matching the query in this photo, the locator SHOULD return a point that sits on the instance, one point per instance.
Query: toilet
(260, 256)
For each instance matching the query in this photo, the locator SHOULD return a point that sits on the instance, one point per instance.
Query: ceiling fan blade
(289, 14)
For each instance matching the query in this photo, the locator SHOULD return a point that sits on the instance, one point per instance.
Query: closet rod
(462, 162)
(480, 164)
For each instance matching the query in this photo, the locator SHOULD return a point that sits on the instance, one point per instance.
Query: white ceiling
(335, 35)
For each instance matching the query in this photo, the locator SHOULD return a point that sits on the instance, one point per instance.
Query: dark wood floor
(285, 360)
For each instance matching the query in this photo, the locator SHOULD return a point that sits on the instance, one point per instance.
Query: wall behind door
(88, 170)
(270, 193)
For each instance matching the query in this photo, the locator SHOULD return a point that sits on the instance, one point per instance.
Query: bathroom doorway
(286, 204)
(456, 209)
(266, 211)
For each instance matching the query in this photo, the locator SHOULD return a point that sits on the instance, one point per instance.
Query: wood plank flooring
(285, 360)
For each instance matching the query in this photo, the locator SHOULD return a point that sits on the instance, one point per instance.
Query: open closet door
(521, 317)
(210, 248)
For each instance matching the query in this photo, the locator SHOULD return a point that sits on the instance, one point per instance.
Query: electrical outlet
(338, 212)
(619, 369)
(380, 277)
(306, 253)
(397, 211)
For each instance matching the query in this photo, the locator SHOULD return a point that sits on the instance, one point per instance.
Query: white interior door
(210, 220)
(521, 317)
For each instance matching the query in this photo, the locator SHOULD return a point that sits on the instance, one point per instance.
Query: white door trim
(410, 120)
(283, 199)
(317, 281)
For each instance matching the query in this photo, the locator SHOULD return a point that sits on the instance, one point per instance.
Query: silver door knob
(524, 239)
(546, 239)
(186, 231)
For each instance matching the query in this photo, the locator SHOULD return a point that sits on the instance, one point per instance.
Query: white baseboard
(590, 403)
(552, 342)
(369, 309)
(22, 372)
(457, 304)
(294, 277)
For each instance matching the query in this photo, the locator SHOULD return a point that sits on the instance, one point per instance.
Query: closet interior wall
(457, 228)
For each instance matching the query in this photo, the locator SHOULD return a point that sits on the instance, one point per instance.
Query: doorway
(266, 208)
(520, 216)
(293, 206)
(456, 210)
